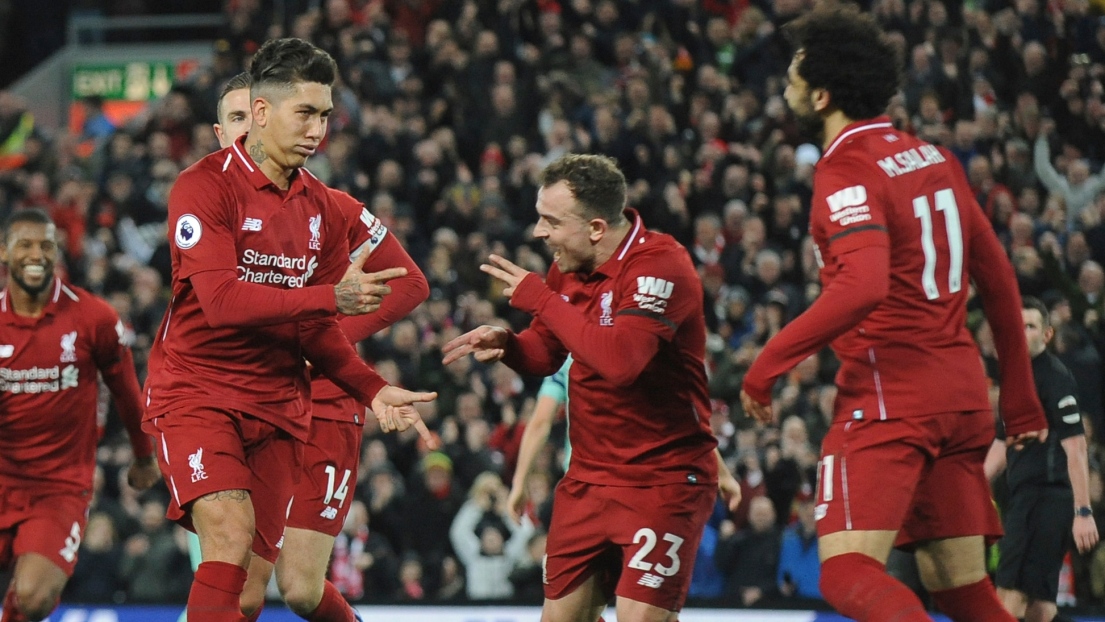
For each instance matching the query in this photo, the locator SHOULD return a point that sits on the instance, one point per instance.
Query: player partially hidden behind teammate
(259, 244)
(54, 340)
(900, 237)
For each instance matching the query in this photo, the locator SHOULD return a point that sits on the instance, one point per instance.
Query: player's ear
(596, 229)
(820, 100)
(260, 110)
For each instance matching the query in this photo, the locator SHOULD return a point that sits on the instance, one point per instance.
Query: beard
(811, 127)
(35, 290)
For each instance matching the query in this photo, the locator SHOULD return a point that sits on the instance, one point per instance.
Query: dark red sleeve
(1001, 300)
(226, 301)
(116, 365)
(862, 281)
(534, 351)
(619, 353)
(406, 292)
(328, 349)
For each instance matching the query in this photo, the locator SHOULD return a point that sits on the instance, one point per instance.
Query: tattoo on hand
(257, 152)
(227, 495)
(347, 295)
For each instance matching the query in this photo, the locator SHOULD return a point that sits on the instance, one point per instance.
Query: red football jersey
(366, 233)
(49, 389)
(225, 214)
(655, 430)
(912, 355)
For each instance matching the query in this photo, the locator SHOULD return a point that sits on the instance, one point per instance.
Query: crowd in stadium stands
(445, 112)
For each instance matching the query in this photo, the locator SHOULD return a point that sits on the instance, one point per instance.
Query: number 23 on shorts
(647, 538)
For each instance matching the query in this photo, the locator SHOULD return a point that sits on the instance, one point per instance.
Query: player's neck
(834, 125)
(611, 241)
(26, 304)
(259, 152)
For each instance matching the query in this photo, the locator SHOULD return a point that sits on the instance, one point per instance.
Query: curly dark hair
(282, 63)
(596, 183)
(846, 53)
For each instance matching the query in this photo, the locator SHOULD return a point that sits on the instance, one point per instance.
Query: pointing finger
(359, 261)
(386, 275)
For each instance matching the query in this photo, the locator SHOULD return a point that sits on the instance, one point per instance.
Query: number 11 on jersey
(945, 202)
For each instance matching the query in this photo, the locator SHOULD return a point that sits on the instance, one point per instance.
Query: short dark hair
(240, 81)
(596, 183)
(33, 215)
(846, 53)
(282, 63)
(1032, 303)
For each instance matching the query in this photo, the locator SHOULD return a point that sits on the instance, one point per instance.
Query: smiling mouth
(34, 271)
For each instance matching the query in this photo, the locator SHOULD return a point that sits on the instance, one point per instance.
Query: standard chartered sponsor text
(38, 379)
(303, 264)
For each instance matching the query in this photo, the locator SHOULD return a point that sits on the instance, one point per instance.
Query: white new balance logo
(251, 224)
(650, 580)
(329, 513)
(196, 462)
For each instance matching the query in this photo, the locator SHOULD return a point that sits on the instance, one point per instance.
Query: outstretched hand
(506, 271)
(487, 343)
(395, 411)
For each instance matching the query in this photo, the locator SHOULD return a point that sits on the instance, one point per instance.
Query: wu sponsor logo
(606, 302)
(69, 347)
(6, 351)
(251, 224)
(653, 294)
(196, 462)
(315, 225)
(329, 513)
(652, 286)
(849, 206)
(650, 580)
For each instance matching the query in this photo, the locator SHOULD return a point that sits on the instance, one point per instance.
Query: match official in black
(1049, 498)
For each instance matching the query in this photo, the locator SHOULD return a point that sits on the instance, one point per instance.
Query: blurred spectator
(749, 558)
(487, 541)
(799, 566)
(96, 576)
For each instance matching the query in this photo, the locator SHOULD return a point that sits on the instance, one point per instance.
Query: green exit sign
(137, 81)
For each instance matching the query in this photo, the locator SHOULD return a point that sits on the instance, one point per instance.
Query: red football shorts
(209, 450)
(921, 476)
(640, 543)
(48, 523)
(328, 477)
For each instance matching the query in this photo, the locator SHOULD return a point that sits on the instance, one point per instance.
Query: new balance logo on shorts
(196, 462)
(329, 513)
(650, 580)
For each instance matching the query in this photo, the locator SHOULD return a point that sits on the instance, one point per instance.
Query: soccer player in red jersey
(258, 244)
(898, 234)
(627, 304)
(54, 339)
(333, 449)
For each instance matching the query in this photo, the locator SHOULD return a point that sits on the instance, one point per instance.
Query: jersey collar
(611, 266)
(851, 131)
(8, 313)
(254, 173)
